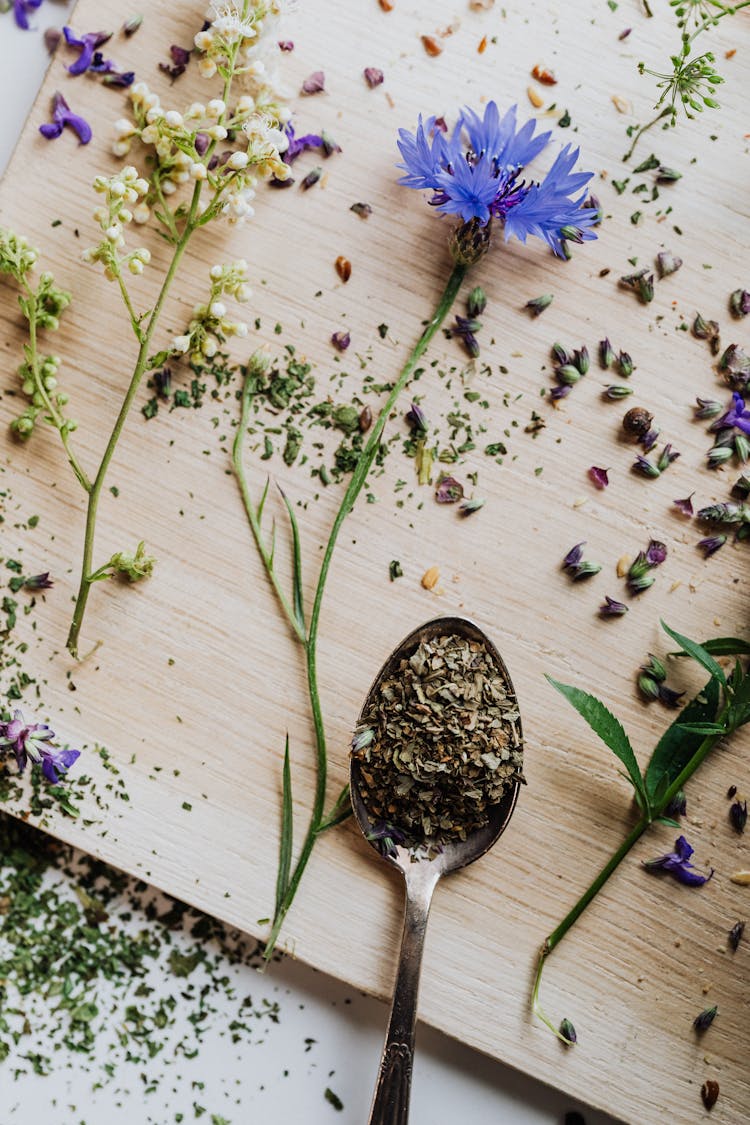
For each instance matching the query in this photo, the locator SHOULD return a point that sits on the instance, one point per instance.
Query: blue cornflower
(63, 115)
(21, 9)
(481, 181)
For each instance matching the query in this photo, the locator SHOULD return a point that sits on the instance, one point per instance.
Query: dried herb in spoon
(440, 743)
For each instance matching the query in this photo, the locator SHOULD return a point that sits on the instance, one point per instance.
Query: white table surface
(277, 1076)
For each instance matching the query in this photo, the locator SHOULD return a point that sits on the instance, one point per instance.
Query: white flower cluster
(123, 194)
(210, 326)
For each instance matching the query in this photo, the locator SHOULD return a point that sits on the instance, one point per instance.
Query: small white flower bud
(113, 233)
(125, 216)
(135, 266)
(209, 347)
(206, 67)
(141, 213)
(143, 254)
(217, 133)
(243, 293)
(153, 115)
(203, 40)
(150, 135)
(174, 119)
(121, 148)
(138, 90)
(237, 161)
(215, 108)
(217, 309)
(216, 272)
(240, 329)
(141, 186)
(168, 187)
(181, 343)
(196, 110)
(246, 104)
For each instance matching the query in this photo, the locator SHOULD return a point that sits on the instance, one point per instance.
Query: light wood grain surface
(197, 680)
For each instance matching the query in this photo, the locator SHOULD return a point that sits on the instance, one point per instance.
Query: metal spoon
(390, 1104)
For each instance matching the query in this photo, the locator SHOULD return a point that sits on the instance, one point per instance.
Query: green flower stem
(319, 821)
(613, 863)
(711, 20)
(134, 321)
(88, 576)
(57, 420)
(644, 129)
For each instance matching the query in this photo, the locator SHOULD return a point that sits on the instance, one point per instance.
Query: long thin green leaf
(698, 652)
(287, 832)
(608, 727)
(679, 742)
(727, 646)
(262, 501)
(299, 609)
(703, 729)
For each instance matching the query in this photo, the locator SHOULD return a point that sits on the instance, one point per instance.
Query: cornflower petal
(423, 158)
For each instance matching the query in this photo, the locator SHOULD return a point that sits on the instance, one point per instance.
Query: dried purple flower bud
(201, 142)
(655, 669)
(568, 1032)
(711, 544)
(373, 76)
(666, 175)
(449, 490)
(557, 393)
(667, 263)
(131, 25)
(612, 608)
(642, 284)
(476, 302)
(656, 553)
(735, 366)
(677, 806)
(735, 935)
(719, 455)
(739, 303)
(669, 697)
(328, 144)
(600, 477)
(38, 582)
(645, 467)
(52, 37)
(315, 83)
(417, 418)
(386, 838)
(738, 815)
(312, 178)
(617, 391)
(648, 687)
(666, 457)
(705, 1019)
(364, 210)
(537, 305)
(741, 448)
(641, 582)
(724, 513)
(574, 556)
(586, 570)
(561, 355)
(568, 375)
(606, 353)
(341, 340)
(581, 359)
(649, 439)
(286, 45)
(468, 507)
(593, 203)
(465, 328)
(626, 365)
(570, 233)
(624, 33)
(707, 408)
(741, 487)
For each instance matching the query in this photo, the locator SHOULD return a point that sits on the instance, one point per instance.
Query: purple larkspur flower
(21, 10)
(481, 181)
(87, 46)
(297, 144)
(32, 742)
(63, 115)
(677, 864)
(738, 416)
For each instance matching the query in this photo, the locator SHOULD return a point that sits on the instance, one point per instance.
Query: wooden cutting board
(196, 679)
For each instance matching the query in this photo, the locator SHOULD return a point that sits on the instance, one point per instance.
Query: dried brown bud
(637, 422)
(431, 46)
(710, 1093)
(386, 5)
(343, 267)
(365, 419)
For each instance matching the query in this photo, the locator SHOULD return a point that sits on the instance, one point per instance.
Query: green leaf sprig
(719, 709)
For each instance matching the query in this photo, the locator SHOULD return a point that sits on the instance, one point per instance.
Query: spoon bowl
(392, 1092)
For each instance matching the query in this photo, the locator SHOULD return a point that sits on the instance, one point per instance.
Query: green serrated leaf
(609, 728)
(677, 745)
(287, 832)
(299, 609)
(727, 646)
(698, 652)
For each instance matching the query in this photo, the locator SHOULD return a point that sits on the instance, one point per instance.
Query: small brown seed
(710, 1093)
(365, 419)
(544, 75)
(431, 46)
(637, 422)
(535, 97)
(430, 577)
(386, 5)
(742, 878)
(343, 267)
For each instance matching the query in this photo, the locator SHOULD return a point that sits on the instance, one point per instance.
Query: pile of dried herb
(440, 742)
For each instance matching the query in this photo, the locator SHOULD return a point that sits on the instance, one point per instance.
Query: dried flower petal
(315, 83)
(626, 365)
(468, 507)
(710, 1093)
(612, 608)
(685, 506)
(735, 935)
(343, 268)
(645, 467)
(341, 340)
(600, 477)
(417, 418)
(677, 864)
(739, 303)
(62, 115)
(568, 1032)
(373, 76)
(544, 75)
(642, 284)
(667, 263)
(606, 353)
(431, 46)
(707, 408)
(449, 490)
(364, 210)
(705, 1019)
(537, 305)
(738, 815)
(711, 544)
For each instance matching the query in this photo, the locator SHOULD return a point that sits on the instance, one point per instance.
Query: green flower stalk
(716, 712)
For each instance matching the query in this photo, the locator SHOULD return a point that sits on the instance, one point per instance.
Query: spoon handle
(390, 1105)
